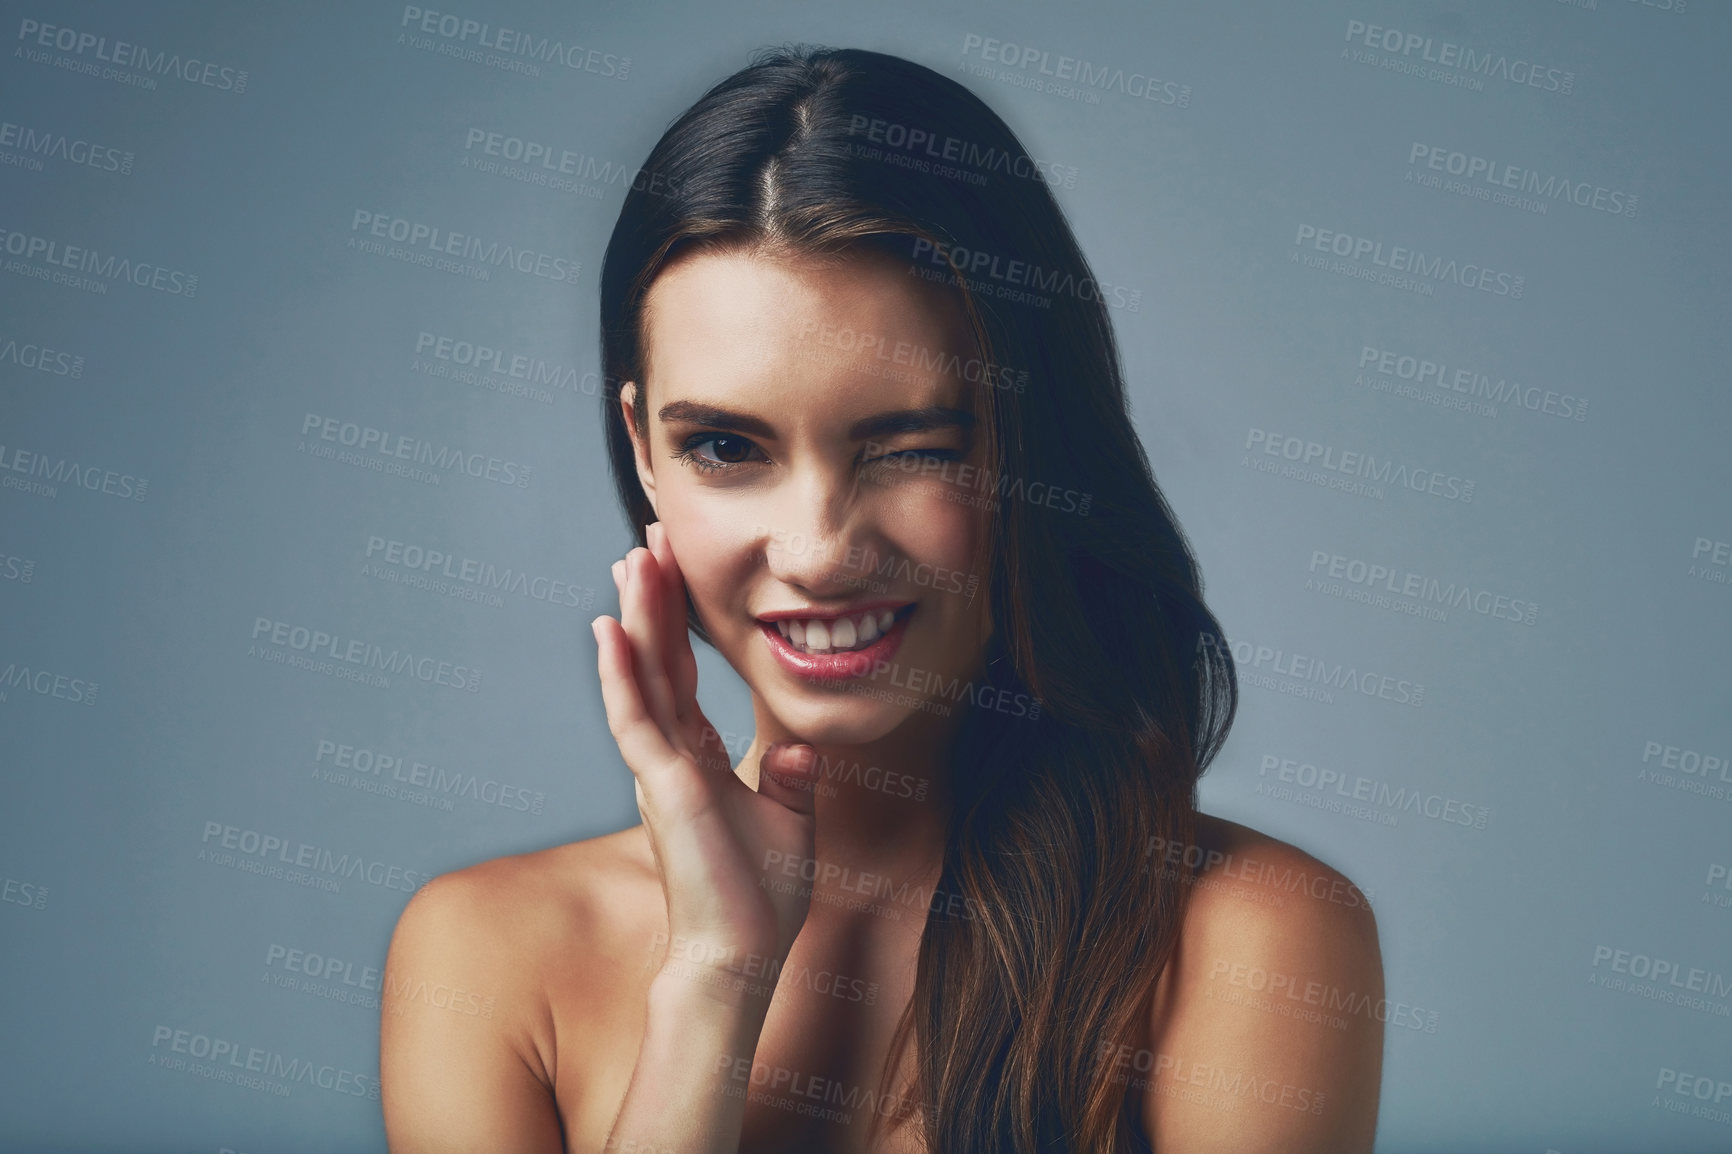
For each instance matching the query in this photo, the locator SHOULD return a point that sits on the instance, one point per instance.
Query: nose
(821, 539)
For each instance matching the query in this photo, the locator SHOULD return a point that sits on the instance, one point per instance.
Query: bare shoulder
(1249, 883)
(482, 961)
(531, 898)
(1266, 1029)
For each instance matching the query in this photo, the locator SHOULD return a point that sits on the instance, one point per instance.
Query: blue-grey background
(1268, 118)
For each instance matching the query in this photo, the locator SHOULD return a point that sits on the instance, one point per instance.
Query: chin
(844, 719)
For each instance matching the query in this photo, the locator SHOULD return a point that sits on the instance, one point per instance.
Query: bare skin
(680, 985)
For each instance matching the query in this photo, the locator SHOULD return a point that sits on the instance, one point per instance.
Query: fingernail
(804, 758)
(595, 629)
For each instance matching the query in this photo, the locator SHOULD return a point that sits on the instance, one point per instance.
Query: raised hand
(711, 834)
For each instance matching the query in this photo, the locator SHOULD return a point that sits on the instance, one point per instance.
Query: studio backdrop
(304, 505)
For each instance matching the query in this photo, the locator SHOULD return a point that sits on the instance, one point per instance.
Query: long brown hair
(1096, 598)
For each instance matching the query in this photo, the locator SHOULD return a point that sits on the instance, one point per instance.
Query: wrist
(683, 987)
(733, 962)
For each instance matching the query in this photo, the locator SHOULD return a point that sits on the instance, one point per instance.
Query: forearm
(688, 1090)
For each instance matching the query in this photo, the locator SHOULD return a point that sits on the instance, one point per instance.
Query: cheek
(712, 550)
(938, 523)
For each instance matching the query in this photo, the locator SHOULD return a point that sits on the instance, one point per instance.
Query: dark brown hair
(1097, 605)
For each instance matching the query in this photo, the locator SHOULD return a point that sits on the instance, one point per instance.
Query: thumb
(788, 775)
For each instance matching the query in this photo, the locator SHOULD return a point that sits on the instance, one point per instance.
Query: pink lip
(835, 666)
(830, 614)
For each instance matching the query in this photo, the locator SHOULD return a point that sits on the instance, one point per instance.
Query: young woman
(871, 434)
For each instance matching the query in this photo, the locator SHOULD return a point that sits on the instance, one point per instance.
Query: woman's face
(813, 457)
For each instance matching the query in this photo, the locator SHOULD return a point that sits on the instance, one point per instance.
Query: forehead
(856, 334)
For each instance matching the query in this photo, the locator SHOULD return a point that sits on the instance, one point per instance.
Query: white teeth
(836, 634)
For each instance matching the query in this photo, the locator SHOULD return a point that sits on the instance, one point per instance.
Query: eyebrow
(879, 425)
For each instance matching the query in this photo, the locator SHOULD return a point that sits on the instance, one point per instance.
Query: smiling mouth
(849, 633)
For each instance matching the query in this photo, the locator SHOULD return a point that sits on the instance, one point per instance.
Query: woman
(871, 434)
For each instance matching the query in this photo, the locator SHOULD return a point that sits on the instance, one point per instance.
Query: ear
(628, 393)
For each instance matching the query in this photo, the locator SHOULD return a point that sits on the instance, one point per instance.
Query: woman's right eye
(728, 451)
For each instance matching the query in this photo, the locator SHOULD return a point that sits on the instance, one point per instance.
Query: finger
(640, 613)
(681, 664)
(788, 775)
(641, 742)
